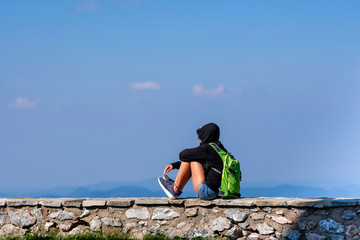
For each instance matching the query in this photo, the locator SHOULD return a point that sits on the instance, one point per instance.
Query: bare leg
(197, 173)
(183, 176)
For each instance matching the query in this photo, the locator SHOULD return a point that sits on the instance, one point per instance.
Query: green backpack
(231, 174)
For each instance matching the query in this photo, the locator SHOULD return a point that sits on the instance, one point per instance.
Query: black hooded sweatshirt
(206, 155)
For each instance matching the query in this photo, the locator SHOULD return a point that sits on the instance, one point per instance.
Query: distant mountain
(125, 191)
(150, 188)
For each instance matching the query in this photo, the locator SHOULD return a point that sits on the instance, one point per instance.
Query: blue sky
(113, 90)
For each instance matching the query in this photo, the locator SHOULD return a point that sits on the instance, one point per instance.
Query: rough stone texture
(48, 226)
(337, 237)
(267, 210)
(197, 202)
(270, 202)
(292, 235)
(301, 212)
(152, 201)
(244, 202)
(314, 236)
(233, 232)
(26, 219)
(65, 227)
(11, 230)
(203, 212)
(164, 214)
(73, 203)
(198, 232)
(120, 203)
(253, 218)
(306, 225)
(14, 218)
(155, 230)
(191, 212)
(95, 224)
(3, 216)
(236, 215)
(280, 212)
(352, 230)
(181, 225)
(331, 226)
(22, 202)
(142, 213)
(54, 215)
(7, 230)
(74, 231)
(243, 225)
(94, 203)
(305, 203)
(253, 236)
(85, 213)
(281, 220)
(340, 202)
(56, 203)
(348, 215)
(264, 228)
(219, 224)
(65, 215)
(258, 216)
(37, 213)
(111, 221)
(321, 212)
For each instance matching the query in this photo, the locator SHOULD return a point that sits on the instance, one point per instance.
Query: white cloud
(88, 5)
(23, 103)
(145, 86)
(92, 5)
(199, 90)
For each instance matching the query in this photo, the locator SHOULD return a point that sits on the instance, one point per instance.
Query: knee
(185, 163)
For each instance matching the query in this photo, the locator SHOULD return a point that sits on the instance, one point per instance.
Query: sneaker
(168, 188)
(166, 178)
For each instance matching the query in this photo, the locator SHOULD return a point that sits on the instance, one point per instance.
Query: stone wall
(245, 218)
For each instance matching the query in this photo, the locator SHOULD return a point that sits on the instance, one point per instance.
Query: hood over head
(209, 133)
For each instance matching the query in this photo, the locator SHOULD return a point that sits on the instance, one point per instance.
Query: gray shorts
(205, 193)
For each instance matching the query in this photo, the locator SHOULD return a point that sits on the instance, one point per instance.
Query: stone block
(152, 201)
(94, 203)
(219, 224)
(142, 213)
(26, 219)
(341, 202)
(95, 224)
(3, 216)
(331, 226)
(120, 202)
(191, 212)
(264, 228)
(270, 202)
(55, 203)
(2, 202)
(111, 221)
(14, 218)
(236, 215)
(281, 220)
(304, 202)
(176, 201)
(73, 203)
(22, 202)
(164, 214)
(239, 202)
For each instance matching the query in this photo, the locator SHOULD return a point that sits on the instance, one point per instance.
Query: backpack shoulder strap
(216, 147)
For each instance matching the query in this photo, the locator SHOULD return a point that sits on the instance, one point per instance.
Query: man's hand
(168, 168)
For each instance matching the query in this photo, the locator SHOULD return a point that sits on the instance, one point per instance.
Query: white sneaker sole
(166, 191)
